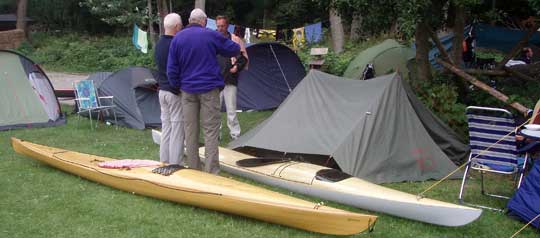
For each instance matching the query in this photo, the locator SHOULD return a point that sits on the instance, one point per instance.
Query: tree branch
(487, 72)
(483, 86)
(439, 45)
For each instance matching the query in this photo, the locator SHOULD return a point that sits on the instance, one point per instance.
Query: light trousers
(229, 95)
(171, 149)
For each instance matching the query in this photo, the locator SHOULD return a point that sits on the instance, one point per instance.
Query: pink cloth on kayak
(128, 163)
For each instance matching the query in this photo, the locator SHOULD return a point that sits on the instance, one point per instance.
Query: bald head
(197, 16)
(172, 24)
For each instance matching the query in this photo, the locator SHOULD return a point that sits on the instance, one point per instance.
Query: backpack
(369, 72)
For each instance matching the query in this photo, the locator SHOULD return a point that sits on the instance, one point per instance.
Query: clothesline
(311, 33)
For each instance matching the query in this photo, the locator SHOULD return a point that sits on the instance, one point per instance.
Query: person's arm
(243, 50)
(226, 47)
(173, 66)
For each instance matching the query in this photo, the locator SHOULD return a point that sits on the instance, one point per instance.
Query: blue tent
(525, 204)
(487, 36)
(274, 71)
(446, 41)
(501, 38)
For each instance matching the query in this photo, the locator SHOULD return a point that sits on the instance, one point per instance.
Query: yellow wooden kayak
(205, 190)
(333, 185)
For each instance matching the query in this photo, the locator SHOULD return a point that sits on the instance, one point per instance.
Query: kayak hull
(302, 178)
(204, 190)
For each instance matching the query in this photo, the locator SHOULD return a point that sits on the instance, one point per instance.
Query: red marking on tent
(425, 161)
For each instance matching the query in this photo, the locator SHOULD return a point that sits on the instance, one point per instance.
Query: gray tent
(370, 128)
(135, 95)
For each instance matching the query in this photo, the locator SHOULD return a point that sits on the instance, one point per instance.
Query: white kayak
(333, 185)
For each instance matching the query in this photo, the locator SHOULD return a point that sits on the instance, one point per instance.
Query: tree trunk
(484, 87)
(459, 26)
(422, 52)
(200, 4)
(336, 28)
(21, 15)
(153, 36)
(266, 14)
(356, 27)
(163, 10)
(487, 72)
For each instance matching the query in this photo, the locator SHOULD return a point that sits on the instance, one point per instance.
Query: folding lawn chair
(493, 147)
(88, 101)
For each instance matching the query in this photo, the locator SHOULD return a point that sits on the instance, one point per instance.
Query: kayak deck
(200, 189)
(305, 178)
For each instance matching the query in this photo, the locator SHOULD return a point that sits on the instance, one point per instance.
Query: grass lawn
(39, 201)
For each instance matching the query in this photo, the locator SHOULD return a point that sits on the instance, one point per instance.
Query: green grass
(39, 201)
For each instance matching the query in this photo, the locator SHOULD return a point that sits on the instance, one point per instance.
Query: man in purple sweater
(192, 66)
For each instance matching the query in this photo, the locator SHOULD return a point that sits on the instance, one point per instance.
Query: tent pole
(280, 69)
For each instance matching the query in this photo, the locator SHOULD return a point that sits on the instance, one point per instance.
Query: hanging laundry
(140, 39)
(299, 38)
(247, 36)
(211, 24)
(313, 32)
(267, 35)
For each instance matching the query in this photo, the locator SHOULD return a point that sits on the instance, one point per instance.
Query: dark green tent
(387, 57)
(372, 129)
(26, 95)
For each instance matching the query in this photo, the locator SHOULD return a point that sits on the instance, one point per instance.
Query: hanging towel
(140, 39)
(211, 24)
(298, 37)
(313, 32)
(247, 36)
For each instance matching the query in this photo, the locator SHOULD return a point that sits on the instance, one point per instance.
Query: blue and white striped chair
(493, 147)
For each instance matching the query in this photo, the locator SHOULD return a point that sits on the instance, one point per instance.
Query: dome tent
(26, 94)
(135, 95)
(274, 71)
(386, 57)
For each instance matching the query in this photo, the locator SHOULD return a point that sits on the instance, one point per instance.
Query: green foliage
(517, 90)
(488, 53)
(535, 4)
(119, 12)
(81, 53)
(442, 98)
(336, 64)
(8, 6)
(377, 16)
(63, 15)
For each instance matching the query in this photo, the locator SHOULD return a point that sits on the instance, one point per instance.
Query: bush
(336, 64)
(82, 53)
(442, 98)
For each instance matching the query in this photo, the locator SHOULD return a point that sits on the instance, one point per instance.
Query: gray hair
(171, 20)
(197, 16)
